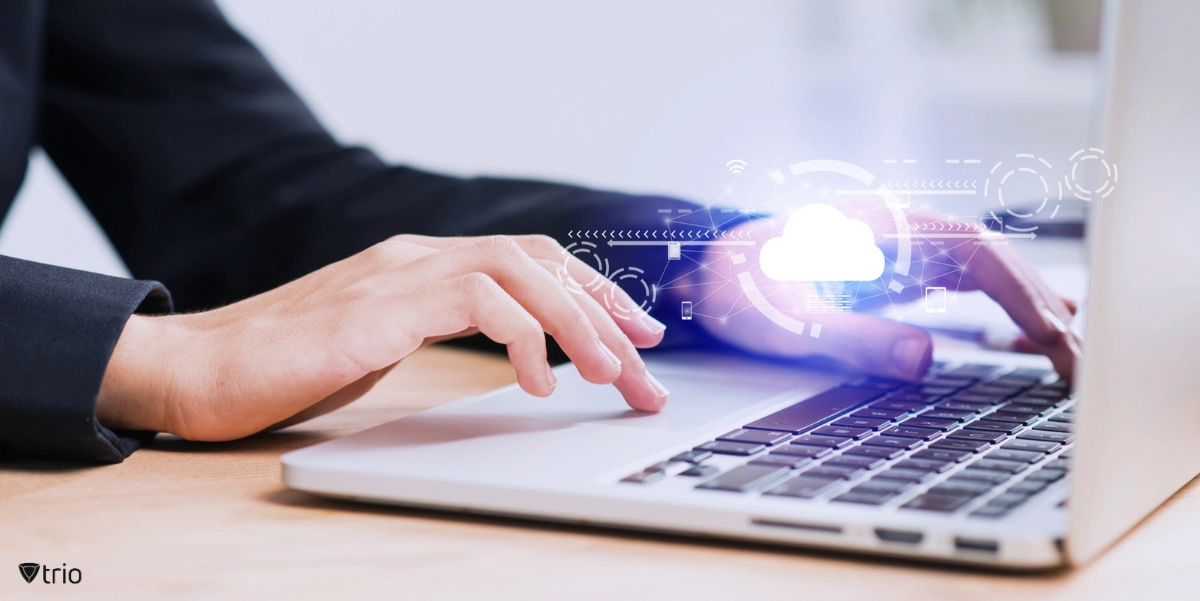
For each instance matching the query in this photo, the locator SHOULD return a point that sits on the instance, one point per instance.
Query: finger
(877, 346)
(641, 329)
(869, 344)
(474, 300)
(534, 288)
(640, 388)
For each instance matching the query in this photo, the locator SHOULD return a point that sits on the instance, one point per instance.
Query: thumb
(877, 346)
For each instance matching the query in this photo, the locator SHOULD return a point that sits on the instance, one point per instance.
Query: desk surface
(190, 521)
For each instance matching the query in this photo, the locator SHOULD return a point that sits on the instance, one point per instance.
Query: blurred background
(655, 96)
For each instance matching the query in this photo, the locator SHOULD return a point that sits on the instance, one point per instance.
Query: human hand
(872, 344)
(320, 342)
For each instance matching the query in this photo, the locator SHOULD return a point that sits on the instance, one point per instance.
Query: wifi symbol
(736, 166)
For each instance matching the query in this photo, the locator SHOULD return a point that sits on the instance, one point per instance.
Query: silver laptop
(990, 460)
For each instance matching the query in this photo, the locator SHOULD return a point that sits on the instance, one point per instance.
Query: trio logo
(29, 571)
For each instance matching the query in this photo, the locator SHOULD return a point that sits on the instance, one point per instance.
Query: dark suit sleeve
(58, 328)
(210, 175)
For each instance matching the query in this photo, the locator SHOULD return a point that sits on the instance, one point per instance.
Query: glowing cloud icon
(819, 244)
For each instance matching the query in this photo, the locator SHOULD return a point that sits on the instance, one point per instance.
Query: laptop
(990, 460)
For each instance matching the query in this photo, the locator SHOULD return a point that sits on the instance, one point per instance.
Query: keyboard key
(1046, 393)
(922, 421)
(800, 450)
(892, 442)
(1019, 444)
(1042, 435)
(1008, 500)
(1013, 381)
(843, 431)
(933, 502)
(692, 456)
(1023, 419)
(1029, 487)
(833, 442)
(767, 437)
(745, 477)
(898, 406)
(976, 475)
(874, 383)
(990, 512)
(980, 435)
(961, 488)
(866, 463)
(1061, 418)
(699, 471)
(936, 390)
(879, 452)
(957, 444)
(788, 461)
(865, 497)
(731, 448)
(1066, 428)
(947, 382)
(907, 475)
(1058, 385)
(1046, 475)
(990, 391)
(1000, 465)
(644, 477)
(1022, 409)
(1058, 464)
(816, 410)
(883, 485)
(905, 431)
(929, 465)
(910, 397)
(988, 399)
(983, 424)
(804, 487)
(1011, 455)
(973, 370)
(948, 414)
(953, 455)
(1042, 404)
(862, 422)
(1036, 374)
(876, 413)
(963, 406)
(842, 472)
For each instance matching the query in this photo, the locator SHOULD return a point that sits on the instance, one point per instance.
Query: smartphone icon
(686, 308)
(935, 299)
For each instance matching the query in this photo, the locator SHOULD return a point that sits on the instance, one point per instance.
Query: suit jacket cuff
(58, 328)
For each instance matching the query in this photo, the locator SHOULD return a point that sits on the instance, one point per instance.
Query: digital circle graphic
(633, 281)
(586, 252)
(1081, 161)
(1031, 171)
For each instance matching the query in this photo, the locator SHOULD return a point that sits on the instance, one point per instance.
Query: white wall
(635, 95)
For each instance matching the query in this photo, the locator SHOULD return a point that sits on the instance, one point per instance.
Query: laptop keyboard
(972, 439)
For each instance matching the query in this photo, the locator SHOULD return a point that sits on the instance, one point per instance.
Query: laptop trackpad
(696, 401)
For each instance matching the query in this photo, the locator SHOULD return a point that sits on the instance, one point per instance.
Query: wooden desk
(212, 521)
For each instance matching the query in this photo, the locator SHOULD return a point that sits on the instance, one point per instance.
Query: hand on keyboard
(880, 346)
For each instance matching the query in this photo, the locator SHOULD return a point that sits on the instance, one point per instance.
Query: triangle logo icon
(29, 571)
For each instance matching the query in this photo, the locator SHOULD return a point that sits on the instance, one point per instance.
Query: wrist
(135, 393)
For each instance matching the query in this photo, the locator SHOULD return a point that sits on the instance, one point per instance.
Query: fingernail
(550, 379)
(661, 390)
(1054, 321)
(655, 326)
(616, 363)
(908, 356)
